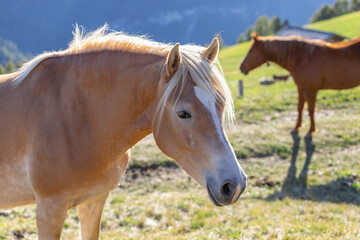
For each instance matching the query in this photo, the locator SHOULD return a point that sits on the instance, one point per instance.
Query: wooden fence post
(241, 88)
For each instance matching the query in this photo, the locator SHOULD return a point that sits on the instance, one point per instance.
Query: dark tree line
(8, 68)
(264, 26)
(340, 7)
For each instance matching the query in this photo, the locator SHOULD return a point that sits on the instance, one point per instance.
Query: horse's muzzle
(228, 192)
(243, 70)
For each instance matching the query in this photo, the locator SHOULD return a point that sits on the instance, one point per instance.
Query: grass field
(157, 200)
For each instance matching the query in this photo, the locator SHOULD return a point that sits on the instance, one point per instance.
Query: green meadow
(157, 200)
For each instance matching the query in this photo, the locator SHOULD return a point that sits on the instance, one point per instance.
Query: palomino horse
(314, 65)
(69, 118)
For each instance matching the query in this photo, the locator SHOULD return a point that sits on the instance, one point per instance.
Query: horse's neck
(282, 52)
(104, 97)
(128, 101)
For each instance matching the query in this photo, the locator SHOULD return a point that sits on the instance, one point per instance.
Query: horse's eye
(183, 114)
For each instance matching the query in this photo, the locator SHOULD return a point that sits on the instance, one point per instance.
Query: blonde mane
(205, 75)
(104, 38)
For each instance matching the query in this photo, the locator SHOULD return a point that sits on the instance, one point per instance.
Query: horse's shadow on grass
(337, 191)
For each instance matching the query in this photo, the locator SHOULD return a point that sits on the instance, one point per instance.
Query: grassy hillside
(156, 202)
(347, 25)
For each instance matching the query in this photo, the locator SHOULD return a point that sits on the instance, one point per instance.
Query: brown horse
(314, 65)
(69, 119)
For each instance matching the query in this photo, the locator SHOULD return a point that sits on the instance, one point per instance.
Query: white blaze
(209, 102)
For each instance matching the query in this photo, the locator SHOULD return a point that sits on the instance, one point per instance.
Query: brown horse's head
(255, 57)
(188, 124)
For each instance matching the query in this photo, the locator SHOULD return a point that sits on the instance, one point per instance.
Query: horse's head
(188, 124)
(256, 55)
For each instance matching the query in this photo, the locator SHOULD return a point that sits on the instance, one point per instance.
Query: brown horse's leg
(90, 215)
(50, 216)
(311, 100)
(301, 103)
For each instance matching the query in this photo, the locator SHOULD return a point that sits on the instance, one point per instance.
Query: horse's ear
(212, 51)
(255, 35)
(173, 60)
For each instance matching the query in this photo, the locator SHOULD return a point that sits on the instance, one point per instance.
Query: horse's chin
(244, 71)
(212, 198)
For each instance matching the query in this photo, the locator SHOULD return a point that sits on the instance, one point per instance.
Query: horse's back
(341, 67)
(355, 49)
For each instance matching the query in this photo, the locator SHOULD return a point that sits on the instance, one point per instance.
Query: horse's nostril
(227, 190)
